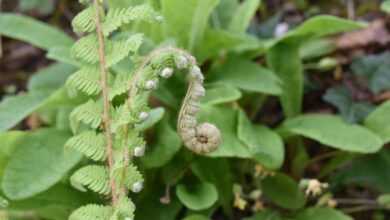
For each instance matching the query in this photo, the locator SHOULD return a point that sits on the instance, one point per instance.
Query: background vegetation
(299, 90)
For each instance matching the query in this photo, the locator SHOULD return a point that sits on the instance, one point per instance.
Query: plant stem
(106, 101)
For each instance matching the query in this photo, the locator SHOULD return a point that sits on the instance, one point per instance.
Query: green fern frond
(89, 113)
(87, 80)
(124, 210)
(93, 177)
(120, 116)
(120, 85)
(90, 144)
(84, 22)
(92, 212)
(121, 49)
(129, 176)
(119, 16)
(86, 49)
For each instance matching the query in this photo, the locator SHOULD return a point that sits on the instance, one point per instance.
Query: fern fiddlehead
(109, 133)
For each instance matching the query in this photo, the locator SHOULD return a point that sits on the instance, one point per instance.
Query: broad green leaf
(224, 183)
(379, 122)
(265, 145)
(265, 215)
(15, 108)
(226, 120)
(214, 97)
(50, 78)
(167, 144)
(285, 61)
(32, 31)
(223, 13)
(321, 214)
(316, 48)
(385, 6)
(60, 194)
(246, 75)
(323, 25)
(217, 42)
(243, 15)
(155, 115)
(187, 20)
(352, 111)
(38, 163)
(198, 196)
(283, 191)
(370, 171)
(334, 132)
(9, 142)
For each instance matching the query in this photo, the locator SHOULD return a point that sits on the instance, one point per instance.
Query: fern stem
(106, 101)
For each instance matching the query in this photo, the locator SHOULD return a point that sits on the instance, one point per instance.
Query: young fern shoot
(108, 133)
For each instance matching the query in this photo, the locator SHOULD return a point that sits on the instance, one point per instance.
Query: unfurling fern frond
(121, 49)
(89, 113)
(87, 80)
(89, 143)
(93, 177)
(84, 22)
(92, 212)
(119, 16)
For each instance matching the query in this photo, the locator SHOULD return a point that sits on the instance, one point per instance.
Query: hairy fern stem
(106, 101)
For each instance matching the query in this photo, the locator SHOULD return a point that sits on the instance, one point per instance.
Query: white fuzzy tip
(196, 73)
(143, 116)
(166, 73)
(137, 187)
(181, 62)
(139, 151)
(151, 84)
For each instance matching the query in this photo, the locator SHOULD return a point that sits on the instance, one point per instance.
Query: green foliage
(334, 132)
(47, 162)
(283, 191)
(246, 79)
(243, 15)
(257, 78)
(197, 196)
(34, 32)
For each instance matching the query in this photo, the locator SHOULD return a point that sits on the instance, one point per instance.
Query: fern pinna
(107, 133)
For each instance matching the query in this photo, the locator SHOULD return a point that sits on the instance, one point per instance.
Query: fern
(86, 49)
(111, 134)
(85, 21)
(86, 80)
(92, 212)
(120, 85)
(121, 49)
(94, 177)
(89, 143)
(89, 113)
(119, 16)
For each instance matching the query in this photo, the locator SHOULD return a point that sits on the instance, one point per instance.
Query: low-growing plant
(107, 121)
